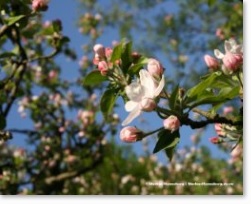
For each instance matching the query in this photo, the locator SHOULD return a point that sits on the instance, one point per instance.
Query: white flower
(146, 88)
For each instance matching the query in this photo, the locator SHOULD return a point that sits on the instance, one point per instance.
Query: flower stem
(152, 132)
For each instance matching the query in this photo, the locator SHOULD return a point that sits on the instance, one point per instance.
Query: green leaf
(107, 102)
(2, 122)
(117, 52)
(126, 55)
(7, 55)
(136, 67)
(12, 20)
(94, 78)
(202, 86)
(215, 88)
(174, 98)
(224, 95)
(169, 152)
(167, 140)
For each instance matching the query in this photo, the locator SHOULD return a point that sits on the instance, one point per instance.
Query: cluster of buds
(225, 132)
(101, 58)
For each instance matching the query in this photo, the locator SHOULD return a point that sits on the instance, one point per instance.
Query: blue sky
(68, 13)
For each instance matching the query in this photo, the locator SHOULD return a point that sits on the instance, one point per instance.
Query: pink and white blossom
(145, 88)
(233, 57)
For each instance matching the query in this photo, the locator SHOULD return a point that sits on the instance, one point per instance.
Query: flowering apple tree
(140, 81)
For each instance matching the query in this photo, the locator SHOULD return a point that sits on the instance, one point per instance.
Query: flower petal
(228, 46)
(130, 105)
(132, 115)
(147, 83)
(218, 54)
(134, 91)
(160, 87)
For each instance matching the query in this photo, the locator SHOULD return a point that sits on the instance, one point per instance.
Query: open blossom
(142, 94)
(130, 134)
(155, 68)
(211, 62)
(232, 58)
(172, 123)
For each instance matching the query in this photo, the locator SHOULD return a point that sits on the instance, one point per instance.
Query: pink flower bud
(103, 67)
(53, 74)
(215, 140)
(172, 123)
(108, 52)
(130, 134)
(99, 49)
(219, 33)
(148, 104)
(219, 129)
(40, 5)
(227, 110)
(155, 68)
(211, 62)
(232, 61)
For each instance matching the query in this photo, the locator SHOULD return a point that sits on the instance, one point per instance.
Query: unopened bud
(211, 62)
(155, 68)
(130, 134)
(103, 67)
(40, 5)
(216, 140)
(99, 49)
(172, 123)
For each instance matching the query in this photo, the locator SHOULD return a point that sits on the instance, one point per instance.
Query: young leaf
(174, 98)
(126, 55)
(116, 53)
(169, 152)
(107, 102)
(136, 67)
(167, 140)
(14, 19)
(94, 78)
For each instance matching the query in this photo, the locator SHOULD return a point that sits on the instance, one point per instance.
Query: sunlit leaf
(94, 78)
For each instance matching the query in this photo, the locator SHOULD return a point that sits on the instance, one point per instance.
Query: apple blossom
(138, 92)
(172, 123)
(130, 134)
(232, 58)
